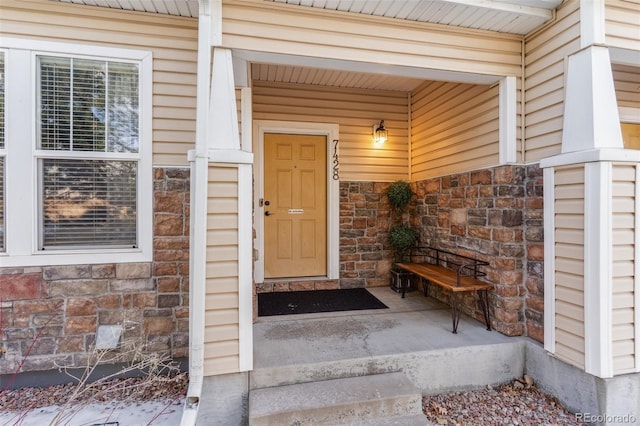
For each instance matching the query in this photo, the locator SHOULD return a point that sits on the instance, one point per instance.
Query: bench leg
(406, 284)
(484, 304)
(425, 286)
(455, 313)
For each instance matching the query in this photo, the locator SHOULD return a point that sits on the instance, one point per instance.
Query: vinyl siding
(221, 305)
(627, 83)
(454, 128)
(355, 111)
(569, 259)
(545, 53)
(622, 23)
(624, 211)
(172, 41)
(305, 31)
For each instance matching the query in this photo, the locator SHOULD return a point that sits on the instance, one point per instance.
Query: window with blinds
(88, 156)
(2, 154)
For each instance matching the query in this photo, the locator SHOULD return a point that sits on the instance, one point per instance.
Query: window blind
(89, 202)
(88, 106)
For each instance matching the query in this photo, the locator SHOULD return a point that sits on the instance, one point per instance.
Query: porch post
(217, 147)
(580, 188)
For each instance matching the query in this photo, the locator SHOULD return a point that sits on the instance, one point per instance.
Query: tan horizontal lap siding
(355, 111)
(545, 53)
(172, 41)
(280, 28)
(624, 211)
(622, 23)
(627, 81)
(569, 259)
(221, 304)
(454, 128)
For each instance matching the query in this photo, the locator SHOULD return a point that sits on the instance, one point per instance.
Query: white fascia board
(549, 261)
(231, 156)
(506, 6)
(508, 120)
(598, 265)
(372, 68)
(590, 156)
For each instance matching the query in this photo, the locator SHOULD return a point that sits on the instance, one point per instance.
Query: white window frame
(22, 189)
(3, 156)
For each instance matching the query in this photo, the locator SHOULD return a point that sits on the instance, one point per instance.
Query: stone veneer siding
(365, 255)
(50, 314)
(495, 215)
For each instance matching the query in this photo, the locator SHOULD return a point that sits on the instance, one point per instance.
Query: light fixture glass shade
(380, 133)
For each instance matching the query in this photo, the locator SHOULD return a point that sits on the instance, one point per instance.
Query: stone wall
(494, 215)
(365, 255)
(50, 314)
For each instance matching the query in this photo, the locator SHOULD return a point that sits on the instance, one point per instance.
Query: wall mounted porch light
(380, 134)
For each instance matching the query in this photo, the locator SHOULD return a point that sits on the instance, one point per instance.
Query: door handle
(268, 213)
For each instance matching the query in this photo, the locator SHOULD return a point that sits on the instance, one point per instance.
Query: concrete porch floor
(413, 335)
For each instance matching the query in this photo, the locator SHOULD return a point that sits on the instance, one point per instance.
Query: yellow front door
(295, 205)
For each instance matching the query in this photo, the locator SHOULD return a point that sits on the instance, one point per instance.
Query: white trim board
(597, 269)
(549, 261)
(331, 131)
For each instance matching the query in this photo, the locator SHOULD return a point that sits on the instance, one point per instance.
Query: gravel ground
(516, 403)
(130, 390)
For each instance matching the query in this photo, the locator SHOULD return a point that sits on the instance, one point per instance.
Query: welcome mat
(308, 302)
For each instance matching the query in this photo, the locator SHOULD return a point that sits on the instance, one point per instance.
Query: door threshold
(294, 279)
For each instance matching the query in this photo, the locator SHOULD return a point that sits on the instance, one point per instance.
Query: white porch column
(217, 145)
(591, 118)
(592, 147)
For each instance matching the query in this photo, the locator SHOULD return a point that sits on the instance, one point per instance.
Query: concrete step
(416, 420)
(335, 402)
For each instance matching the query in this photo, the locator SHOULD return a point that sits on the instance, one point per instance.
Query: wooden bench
(453, 272)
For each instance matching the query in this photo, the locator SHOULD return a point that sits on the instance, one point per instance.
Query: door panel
(295, 220)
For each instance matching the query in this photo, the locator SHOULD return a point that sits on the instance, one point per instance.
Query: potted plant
(401, 236)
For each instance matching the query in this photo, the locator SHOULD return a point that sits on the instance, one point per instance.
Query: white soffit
(187, 8)
(507, 16)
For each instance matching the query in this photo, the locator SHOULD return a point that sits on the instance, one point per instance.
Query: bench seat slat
(444, 277)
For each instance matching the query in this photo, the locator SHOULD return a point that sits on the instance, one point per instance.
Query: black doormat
(307, 302)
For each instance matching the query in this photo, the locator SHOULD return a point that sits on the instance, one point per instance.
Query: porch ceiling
(331, 77)
(508, 16)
